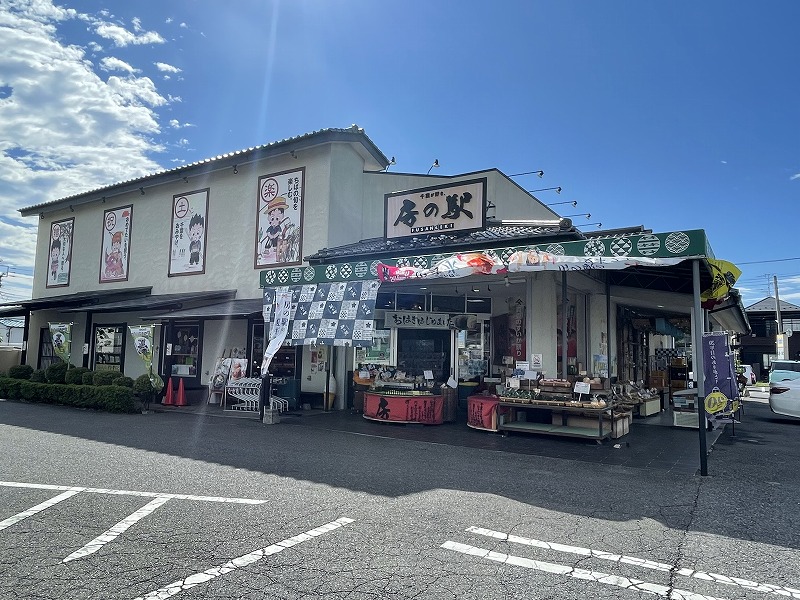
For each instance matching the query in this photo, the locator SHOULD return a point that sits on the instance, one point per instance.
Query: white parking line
(242, 561)
(605, 578)
(44, 486)
(640, 562)
(117, 530)
(38, 508)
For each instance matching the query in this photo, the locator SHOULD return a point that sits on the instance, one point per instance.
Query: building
(759, 348)
(499, 276)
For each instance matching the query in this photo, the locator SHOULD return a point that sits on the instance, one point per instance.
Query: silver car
(784, 388)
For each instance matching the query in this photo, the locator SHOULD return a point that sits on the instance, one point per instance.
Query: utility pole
(777, 305)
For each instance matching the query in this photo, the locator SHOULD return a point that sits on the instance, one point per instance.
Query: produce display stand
(549, 409)
(404, 407)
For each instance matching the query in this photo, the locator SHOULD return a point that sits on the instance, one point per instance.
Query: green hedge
(111, 398)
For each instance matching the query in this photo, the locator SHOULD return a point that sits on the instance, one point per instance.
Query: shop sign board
(416, 320)
(781, 345)
(447, 208)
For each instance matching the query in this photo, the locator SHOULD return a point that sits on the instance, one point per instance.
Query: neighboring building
(11, 332)
(194, 249)
(759, 349)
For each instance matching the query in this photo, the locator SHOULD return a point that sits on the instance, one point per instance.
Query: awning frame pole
(699, 367)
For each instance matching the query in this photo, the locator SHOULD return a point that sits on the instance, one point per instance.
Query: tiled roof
(354, 130)
(768, 305)
(494, 234)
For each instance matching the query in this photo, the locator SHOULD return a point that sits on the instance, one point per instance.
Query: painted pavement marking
(605, 578)
(242, 561)
(43, 486)
(640, 562)
(159, 499)
(5, 523)
(117, 530)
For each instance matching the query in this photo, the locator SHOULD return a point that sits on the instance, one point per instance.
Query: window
(185, 350)
(46, 355)
(109, 347)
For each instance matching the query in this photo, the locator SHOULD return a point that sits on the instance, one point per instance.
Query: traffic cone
(168, 400)
(180, 399)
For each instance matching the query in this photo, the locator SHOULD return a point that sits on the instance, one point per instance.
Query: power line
(758, 262)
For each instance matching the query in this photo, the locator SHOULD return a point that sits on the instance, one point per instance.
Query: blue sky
(672, 115)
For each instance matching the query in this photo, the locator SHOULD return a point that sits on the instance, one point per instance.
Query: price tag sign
(582, 388)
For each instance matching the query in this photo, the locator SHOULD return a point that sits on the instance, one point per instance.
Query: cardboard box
(650, 407)
(621, 426)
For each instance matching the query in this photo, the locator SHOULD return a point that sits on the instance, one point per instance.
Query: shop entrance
(419, 350)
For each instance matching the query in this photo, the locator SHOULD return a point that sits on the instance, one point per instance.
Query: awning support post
(698, 367)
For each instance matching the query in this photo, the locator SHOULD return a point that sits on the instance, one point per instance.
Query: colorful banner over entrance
(61, 334)
(332, 314)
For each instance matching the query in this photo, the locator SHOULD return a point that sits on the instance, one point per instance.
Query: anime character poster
(115, 253)
(60, 253)
(279, 220)
(187, 248)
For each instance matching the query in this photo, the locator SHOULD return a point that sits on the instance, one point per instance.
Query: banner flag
(61, 334)
(722, 397)
(143, 342)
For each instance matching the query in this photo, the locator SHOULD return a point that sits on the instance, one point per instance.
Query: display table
(482, 412)
(496, 414)
(404, 408)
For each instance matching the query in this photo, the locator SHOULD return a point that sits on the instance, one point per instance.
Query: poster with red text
(187, 244)
(116, 244)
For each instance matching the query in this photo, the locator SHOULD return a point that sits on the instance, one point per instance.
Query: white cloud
(122, 37)
(63, 129)
(175, 124)
(110, 63)
(166, 68)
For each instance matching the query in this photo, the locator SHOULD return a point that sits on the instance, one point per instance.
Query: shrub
(112, 398)
(39, 376)
(104, 377)
(20, 372)
(123, 381)
(87, 378)
(75, 375)
(55, 373)
(143, 388)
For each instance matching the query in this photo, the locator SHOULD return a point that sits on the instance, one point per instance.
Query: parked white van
(784, 388)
